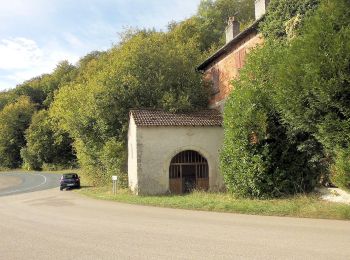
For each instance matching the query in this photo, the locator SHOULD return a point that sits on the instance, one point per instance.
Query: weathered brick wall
(222, 71)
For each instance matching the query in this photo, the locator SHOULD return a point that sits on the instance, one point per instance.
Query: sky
(36, 34)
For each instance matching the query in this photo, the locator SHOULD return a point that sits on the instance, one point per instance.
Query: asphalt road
(16, 183)
(53, 224)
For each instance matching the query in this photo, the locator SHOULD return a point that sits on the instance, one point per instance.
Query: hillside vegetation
(78, 114)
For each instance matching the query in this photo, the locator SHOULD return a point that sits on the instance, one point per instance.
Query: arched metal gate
(188, 170)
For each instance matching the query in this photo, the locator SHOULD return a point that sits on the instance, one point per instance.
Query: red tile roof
(144, 117)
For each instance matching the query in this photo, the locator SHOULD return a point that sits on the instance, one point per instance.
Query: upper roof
(147, 117)
(228, 47)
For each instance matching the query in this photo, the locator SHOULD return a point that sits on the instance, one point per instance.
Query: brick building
(224, 65)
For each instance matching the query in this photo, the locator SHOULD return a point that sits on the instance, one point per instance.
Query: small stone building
(174, 152)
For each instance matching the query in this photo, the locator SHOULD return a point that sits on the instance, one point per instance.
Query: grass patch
(304, 206)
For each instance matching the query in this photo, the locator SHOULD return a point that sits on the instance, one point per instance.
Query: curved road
(15, 183)
(50, 224)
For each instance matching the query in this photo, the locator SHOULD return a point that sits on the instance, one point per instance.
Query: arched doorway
(188, 170)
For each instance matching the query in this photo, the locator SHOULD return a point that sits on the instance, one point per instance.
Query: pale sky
(36, 34)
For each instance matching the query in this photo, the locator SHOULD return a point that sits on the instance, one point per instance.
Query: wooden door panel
(175, 186)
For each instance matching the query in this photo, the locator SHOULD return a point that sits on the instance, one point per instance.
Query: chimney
(260, 8)
(232, 28)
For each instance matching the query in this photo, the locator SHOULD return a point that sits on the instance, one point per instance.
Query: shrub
(46, 145)
(262, 156)
(341, 169)
(284, 13)
(14, 119)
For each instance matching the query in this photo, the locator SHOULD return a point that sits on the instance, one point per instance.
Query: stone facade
(151, 149)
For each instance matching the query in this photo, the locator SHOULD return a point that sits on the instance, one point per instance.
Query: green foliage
(113, 157)
(41, 89)
(293, 95)
(6, 97)
(313, 94)
(261, 157)
(206, 28)
(62, 75)
(31, 89)
(45, 144)
(341, 169)
(14, 119)
(284, 16)
(148, 69)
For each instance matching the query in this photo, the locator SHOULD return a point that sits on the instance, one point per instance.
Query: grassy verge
(306, 206)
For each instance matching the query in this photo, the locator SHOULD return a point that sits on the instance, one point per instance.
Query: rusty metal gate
(188, 170)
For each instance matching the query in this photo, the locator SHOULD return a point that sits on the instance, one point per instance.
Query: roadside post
(114, 180)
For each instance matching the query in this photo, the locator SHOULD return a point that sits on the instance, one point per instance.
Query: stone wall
(156, 146)
(132, 156)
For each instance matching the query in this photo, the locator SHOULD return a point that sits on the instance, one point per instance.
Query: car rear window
(69, 176)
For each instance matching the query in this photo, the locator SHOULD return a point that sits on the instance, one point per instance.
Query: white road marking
(26, 189)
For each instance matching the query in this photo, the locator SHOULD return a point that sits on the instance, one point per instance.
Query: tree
(14, 119)
(45, 144)
(62, 75)
(31, 88)
(6, 97)
(148, 69)
(313, 95)
(206, 28)
(273, 144)
(261, 156)
(286, 15)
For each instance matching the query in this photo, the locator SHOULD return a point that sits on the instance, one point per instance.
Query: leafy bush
(14, 119)
(46, 145)
(113, 158)
(341, 169)
(313, 94)
(262, 156)
(292, 101)
(284, 16)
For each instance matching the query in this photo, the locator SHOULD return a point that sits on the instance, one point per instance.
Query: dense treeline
(80, 112)
(287, 121)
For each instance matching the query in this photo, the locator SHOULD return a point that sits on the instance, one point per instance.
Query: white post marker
(114, 180)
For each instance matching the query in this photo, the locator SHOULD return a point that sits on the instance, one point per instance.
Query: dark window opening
(188, 171)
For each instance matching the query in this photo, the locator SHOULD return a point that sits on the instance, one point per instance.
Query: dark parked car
(69, 180)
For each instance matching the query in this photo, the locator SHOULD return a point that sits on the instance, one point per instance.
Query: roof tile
(145, 117)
